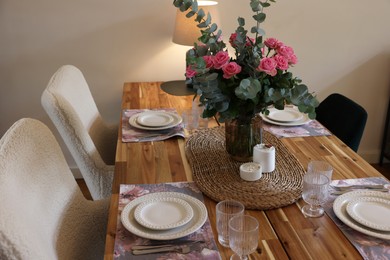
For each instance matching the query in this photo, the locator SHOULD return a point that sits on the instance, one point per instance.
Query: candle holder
(265, 155)
(250, 171)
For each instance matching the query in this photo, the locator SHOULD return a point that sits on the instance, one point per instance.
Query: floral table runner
(313, 128)
(132, 134)
(125, 240)
(369, 247)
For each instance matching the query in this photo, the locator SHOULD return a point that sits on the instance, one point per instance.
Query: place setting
(289, 116)
(290, 122)
(165, 222)
(366, 211)
(363, 205)
(142, 125)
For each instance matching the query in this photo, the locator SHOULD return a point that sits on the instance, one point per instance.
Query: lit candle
(250, 171)
(265, 155)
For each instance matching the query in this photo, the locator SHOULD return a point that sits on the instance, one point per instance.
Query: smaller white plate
(176, 121)
(286, 115)
(163, 213)
(154, 118)
(371, 212)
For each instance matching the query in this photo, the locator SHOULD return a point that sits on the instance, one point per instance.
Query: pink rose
(232, 38)
(220, 59)
(190, 72)
(268, 65)
(285, 51)
(293, 59)
(272, 43)
(282, 62)
(231, 69)
(209, 61)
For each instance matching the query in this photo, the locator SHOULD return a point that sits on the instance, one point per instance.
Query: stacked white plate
(365, 211)
(155, 120)
(164, 215)
(289, 116)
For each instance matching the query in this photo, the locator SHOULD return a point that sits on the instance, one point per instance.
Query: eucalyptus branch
(210, 28)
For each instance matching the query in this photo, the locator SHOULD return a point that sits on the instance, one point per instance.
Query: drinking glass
(315, 192)
(227, 209)
(243, 236)
(322, 167)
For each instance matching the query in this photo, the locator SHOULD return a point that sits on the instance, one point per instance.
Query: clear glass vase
(241, 137)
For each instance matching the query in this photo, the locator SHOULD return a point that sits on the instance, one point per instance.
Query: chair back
(43, 213)
(69, 103)
(344, 118)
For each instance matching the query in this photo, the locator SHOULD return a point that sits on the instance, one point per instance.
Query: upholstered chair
(43, 213)
(68, 101)
(344, 118)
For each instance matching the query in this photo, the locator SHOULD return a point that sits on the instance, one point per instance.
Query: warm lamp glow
(186, 31)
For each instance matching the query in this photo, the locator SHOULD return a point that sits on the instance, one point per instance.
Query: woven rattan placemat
(218, 176)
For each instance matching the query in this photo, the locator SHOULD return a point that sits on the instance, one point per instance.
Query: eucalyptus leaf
(190, 14)
(241, 21)
(260, 17)
(194, 6)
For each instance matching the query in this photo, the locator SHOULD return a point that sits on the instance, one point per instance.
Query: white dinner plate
(370, 212)
(163, 213)
(340, 209)
(287, 115)
(154, 119)
(302, 121)
(176, 121)
(130, 223)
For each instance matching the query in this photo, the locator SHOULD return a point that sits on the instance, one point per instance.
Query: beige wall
(342, 46)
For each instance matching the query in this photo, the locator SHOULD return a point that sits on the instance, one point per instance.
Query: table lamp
(187, 33)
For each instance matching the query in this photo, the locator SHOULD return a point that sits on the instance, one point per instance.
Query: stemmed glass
(243, 236)
(315, 192)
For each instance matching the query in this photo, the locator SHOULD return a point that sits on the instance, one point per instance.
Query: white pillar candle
(250, 171)
(265, 155)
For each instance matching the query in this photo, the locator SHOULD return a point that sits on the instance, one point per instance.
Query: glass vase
(241, 137)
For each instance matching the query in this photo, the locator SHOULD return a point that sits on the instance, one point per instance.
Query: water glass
(322, 167)
(192, 119)
(243, 236)
(315, 193)
(225, 211)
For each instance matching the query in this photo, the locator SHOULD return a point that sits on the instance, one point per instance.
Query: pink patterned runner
(124, 240)
(369, 247)
(313, 128)
(132, 134)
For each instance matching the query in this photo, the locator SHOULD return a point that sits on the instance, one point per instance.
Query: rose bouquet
(255, 78)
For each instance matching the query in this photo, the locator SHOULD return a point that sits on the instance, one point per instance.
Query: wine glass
(243, 236)
(315, 192)
(322, 167)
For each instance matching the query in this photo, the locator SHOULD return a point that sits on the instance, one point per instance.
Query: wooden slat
(284, 233)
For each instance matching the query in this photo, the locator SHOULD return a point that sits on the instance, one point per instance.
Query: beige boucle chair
(43, 213)
(68, 101)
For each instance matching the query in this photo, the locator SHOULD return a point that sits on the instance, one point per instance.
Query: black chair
(344, 118)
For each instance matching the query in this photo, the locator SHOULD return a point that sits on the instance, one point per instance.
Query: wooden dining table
(285, 233)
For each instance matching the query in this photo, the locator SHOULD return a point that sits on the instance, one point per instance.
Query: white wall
(342, 46)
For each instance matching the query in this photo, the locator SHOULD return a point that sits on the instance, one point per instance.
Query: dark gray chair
(344, 118)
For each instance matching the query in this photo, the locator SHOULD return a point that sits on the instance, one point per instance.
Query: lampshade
(186, 31)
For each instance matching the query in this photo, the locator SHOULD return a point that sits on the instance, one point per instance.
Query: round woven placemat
(218, 176)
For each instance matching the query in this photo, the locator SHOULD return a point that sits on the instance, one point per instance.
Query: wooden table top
(284, 233)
